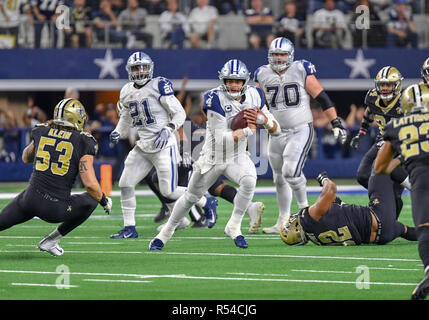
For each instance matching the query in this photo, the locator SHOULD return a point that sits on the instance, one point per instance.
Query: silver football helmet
(140, 68)
(283, 46)
(234, 70)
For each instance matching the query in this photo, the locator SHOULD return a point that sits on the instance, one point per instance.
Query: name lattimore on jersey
(410, 119)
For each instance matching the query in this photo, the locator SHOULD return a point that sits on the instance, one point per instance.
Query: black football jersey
(343, 224)
(409, 138)
(56, 161)
(382, 113)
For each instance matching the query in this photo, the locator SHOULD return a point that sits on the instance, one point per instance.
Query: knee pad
(288, 169)
(248, 184)
(278, 178)
(297, 182)
(191, 198)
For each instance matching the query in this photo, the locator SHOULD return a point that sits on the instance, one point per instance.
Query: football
(239, 122)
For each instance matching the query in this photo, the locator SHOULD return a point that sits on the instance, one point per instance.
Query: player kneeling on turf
(59, 151)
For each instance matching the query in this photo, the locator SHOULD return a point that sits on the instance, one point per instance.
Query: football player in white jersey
(224, 150)
(288, 86)
(149, 105)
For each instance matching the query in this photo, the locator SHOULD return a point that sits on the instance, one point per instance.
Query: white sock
(181, 208)
(128, 204)
(299, 187)
(202, 202)
(284, 200)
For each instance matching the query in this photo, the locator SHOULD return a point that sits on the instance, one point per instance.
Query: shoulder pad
(165, 86)
(85, 133)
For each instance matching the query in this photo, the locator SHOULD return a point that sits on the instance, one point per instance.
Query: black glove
(357, 138)
(322, 176)
(339, 131)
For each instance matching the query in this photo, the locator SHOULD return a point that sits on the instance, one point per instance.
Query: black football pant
(381, 192)
(34, 203)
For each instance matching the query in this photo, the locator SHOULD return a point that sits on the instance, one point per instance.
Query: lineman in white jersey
(149, 104)
(288, 85)
(224, 150)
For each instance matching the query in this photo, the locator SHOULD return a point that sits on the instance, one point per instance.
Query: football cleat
(210, 211)
(50, 246)
(422, 289)
(162, 215)
(273, 229)
(241, 242)
(126, 233)
(255, 212)
(184, 223)
(156, 245)
(202, 223)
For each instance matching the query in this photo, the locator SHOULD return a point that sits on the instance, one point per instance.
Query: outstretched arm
(327, 196)
(385, 162)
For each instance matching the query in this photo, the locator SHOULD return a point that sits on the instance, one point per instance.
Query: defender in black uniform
(59, 150)
(408, 138)
(382, 104)
(331, 222)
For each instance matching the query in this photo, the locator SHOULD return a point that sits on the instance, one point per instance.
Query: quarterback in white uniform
(224, 151)
(149, 104)
(288, 85)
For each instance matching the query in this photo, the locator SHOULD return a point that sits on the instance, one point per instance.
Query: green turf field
(199, 263)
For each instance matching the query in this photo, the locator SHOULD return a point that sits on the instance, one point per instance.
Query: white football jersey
(286, 96)
(149, 109)
(219, 146)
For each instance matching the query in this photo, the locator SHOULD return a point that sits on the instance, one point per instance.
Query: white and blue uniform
(149, 109)
(289, 102)
(221, 155)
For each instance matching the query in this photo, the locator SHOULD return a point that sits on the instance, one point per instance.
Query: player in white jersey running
(224, 150)
(288, 85)
(149, 104)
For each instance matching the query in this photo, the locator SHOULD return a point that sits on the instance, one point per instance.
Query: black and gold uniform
(349, 224)
(381, 107)
(409, 138)
(58, 147)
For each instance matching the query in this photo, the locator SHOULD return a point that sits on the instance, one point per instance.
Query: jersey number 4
(140, 113)
(44, 162)
(290, 93)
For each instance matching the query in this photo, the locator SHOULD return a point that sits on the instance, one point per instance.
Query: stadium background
(32, 77)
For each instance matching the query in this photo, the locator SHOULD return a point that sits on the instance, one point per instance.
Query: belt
(46, 196)
(378, 235)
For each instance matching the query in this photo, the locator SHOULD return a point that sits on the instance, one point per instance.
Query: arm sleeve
(175, 108)
(125, 122)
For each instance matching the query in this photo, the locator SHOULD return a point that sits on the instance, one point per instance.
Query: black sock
(423, 237)
(411, 234)
(228, 193)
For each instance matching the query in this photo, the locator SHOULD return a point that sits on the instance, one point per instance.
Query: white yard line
(63, 286)
(182, 276)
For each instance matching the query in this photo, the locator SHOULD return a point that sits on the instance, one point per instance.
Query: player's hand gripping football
(339, 131)
(255, 117)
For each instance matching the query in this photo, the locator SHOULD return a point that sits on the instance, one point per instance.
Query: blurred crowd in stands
(187, 23)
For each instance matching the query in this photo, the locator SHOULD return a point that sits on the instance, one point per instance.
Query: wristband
(103, 200)
(363, 131)
(247, 132)
(269, 125)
